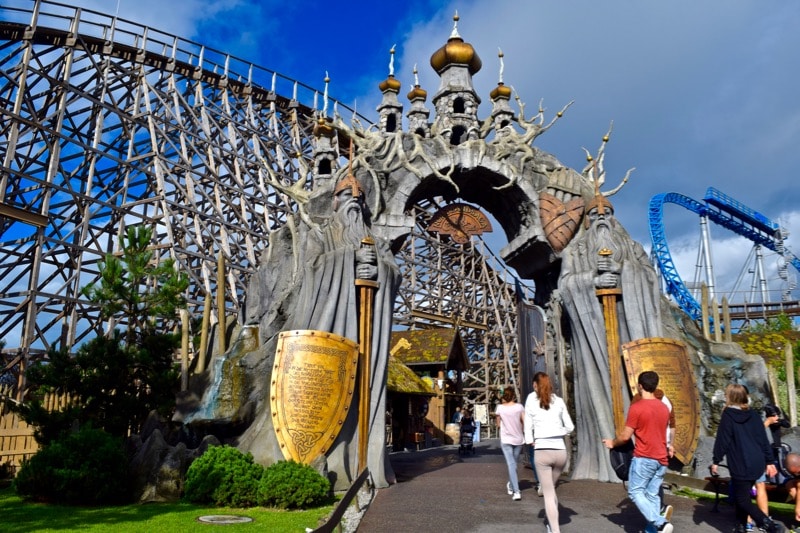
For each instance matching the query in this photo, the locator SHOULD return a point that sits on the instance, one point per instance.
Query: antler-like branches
(295, 191)
(595, 172)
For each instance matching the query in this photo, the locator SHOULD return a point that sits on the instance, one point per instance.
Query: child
(741, 437)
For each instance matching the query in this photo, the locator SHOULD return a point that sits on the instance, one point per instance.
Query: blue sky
(701, 93)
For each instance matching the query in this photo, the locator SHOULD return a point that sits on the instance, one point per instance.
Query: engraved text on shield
(311, 391)
(669, 359)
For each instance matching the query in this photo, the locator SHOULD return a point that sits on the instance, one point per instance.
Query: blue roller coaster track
(722, 210)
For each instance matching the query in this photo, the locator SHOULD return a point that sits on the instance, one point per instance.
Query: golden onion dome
(501, 91)
(389, 84)
(417, 93)
(456, 52)
(323, 128)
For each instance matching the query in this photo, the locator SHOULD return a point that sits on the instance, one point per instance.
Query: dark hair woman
(509, 415)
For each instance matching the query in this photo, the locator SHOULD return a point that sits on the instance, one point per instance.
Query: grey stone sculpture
(306, 281)
(582, 272)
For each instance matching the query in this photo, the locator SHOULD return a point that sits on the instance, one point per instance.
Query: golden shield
(311, 391)
(669, 359)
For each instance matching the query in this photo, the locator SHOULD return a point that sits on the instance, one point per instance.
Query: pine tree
(120, 378)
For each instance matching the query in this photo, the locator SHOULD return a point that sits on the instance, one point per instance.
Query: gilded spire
(454, 34)
(390, 83)
(502, 66)
(325, 96)
(501, 91)
(457, 52)
(417, 92)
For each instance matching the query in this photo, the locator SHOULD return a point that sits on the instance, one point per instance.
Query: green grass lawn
(17, 515)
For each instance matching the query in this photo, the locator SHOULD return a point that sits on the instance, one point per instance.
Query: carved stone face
(345, 202)
(596, 218)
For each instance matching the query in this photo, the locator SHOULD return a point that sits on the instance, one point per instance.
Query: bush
(6, 473)
(223, 476)
(88, 467)
(289, 485)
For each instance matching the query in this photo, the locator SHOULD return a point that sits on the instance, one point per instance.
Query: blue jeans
(533, 465)
(511, 453)
(644, 480)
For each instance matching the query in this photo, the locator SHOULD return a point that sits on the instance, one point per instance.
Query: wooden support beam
(21, 215)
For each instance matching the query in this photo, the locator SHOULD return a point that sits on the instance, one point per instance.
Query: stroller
(467, 436)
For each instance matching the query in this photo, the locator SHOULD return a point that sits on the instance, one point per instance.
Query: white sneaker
(516, 496)
(508, 488)
(539, 490)
(666, 527)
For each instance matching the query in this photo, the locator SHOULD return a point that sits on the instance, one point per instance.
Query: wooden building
(423, 402)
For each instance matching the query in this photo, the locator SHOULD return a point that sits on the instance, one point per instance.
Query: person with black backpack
(647, 423)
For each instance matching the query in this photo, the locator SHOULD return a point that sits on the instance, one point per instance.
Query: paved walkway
(440, 491)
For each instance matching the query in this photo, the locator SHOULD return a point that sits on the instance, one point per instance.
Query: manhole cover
(224, 519)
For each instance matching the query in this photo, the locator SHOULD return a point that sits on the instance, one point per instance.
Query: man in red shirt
(647, 423)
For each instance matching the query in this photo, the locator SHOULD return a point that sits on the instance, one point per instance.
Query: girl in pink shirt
(510, 416)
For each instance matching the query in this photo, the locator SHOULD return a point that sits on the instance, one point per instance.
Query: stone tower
(456, 102)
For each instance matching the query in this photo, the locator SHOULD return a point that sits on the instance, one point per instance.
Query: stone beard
(347, 225)
(583, 271)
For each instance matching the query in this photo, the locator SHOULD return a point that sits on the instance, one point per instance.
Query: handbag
(621, 457)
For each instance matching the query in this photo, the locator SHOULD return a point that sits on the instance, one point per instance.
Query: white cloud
(733, 260)
(700, 95)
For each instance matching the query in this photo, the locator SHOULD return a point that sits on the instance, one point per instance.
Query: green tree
(117, 380)
(776, 324)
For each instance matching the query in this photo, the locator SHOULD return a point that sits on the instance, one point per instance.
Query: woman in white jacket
(547, 421)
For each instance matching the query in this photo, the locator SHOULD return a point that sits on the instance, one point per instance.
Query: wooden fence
(16, 436)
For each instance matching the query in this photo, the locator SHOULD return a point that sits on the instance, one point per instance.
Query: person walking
(531, 450)
(741, 438)
(547, 421)
(666, 509)
(647, 423)
(509, 415)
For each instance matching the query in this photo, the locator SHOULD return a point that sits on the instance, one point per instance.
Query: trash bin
(452, 433)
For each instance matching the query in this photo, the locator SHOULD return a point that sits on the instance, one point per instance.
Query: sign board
(312, 386)
(669, 359)
(481, 413)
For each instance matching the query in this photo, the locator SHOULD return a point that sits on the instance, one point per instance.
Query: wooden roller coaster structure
(105, 123)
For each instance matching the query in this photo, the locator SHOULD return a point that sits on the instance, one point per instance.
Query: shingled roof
(400, 378)
(437, 346)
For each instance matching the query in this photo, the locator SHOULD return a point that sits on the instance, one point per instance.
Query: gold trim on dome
(324, 128)
(501, 91)
(456, 52)
(389, 84)
(417, 93)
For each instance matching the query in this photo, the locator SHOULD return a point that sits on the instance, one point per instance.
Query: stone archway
(502, 176)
